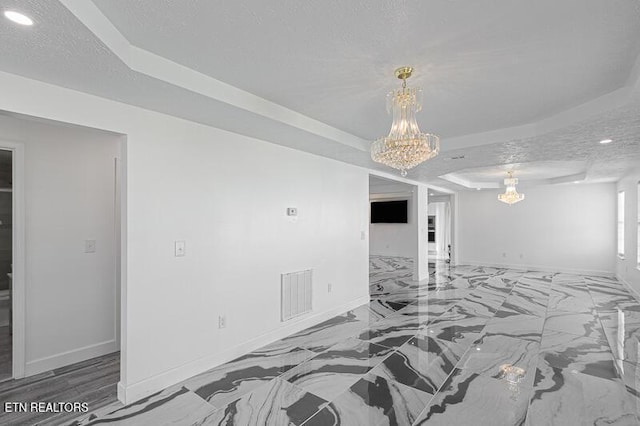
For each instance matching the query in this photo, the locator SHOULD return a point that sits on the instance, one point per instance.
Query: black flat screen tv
(389, 211)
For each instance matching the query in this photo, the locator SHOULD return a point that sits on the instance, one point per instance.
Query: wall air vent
(296, 294)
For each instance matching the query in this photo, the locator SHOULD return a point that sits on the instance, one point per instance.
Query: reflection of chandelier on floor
(406, 146)
(510, 195)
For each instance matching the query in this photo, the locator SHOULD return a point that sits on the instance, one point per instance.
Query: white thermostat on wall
(292, 211)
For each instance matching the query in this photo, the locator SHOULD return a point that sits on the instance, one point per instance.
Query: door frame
(18, 257)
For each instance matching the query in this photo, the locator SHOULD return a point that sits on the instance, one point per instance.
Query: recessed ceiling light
(431, 193)
(478, 189)
(18, 17)
(606, 141)
(576, 181)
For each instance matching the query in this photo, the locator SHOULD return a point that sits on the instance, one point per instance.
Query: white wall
(560, 228)
(69, 198)
(394, 239)
(420, 205)
(225, 195)
(627, 269)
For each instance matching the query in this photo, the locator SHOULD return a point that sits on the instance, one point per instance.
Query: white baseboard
(136, 391)
(70, 357)
(538, 268)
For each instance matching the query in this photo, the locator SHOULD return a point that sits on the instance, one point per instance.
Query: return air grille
(296, 294)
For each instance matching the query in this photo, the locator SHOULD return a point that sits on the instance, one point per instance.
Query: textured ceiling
(534, 172)
(524, 171)
(484, 65)
(578, 143)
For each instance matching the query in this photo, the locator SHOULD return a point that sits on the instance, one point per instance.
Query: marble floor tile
(562, 396)
(393, 332)
(528, 327)
(577, 353)
(374, 400)
(602, 281)
(172, 406)
(406, 297)
(491, 353)
(623, 337)
(426, 310)
(455, 327)
(578, 323)
(538, 294)
(384, 309)
(482, 302)
(429, 352)
(518, 303)
(422, 363)
(630, 373)
(468, 398)
(326, 334)
(624, 303)
(448, 294)
(229, 381)
(509, 275)
(333, 371)
(610, 299)
(499, 284)
(536, 278)
(570, 302)
(93, 415)
(275, 403)
(564, 278)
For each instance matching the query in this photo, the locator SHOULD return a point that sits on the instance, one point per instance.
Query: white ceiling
(313, 75)
(531, 173)
(483, 65)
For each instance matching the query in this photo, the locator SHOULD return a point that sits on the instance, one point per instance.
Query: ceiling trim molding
(161, 68)
(453, 178)
(399, 179)
(599, 105)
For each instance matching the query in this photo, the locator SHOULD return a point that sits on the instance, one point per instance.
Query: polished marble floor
(472, 346)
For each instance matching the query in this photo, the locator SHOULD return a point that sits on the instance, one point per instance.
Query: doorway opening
(439, 228)
(392, 234)
(6, 261)
(60, 245)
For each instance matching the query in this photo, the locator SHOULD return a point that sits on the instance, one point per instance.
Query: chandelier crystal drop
(406, 146)
(510, 195)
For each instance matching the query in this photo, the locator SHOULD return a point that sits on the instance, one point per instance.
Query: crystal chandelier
(406, 146)
(510, 195)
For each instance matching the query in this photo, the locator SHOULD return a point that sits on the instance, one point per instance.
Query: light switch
(292, 211)
(89, 246)
(180, 248)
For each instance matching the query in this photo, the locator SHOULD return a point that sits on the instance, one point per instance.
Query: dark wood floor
(92, 381)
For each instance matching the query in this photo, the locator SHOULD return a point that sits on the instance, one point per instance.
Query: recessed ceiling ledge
(161, 68)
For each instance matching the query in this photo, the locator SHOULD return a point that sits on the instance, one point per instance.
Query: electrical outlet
(521, 255)
(180, 248)
(222, 321)
(329, 288)
(504, 254)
